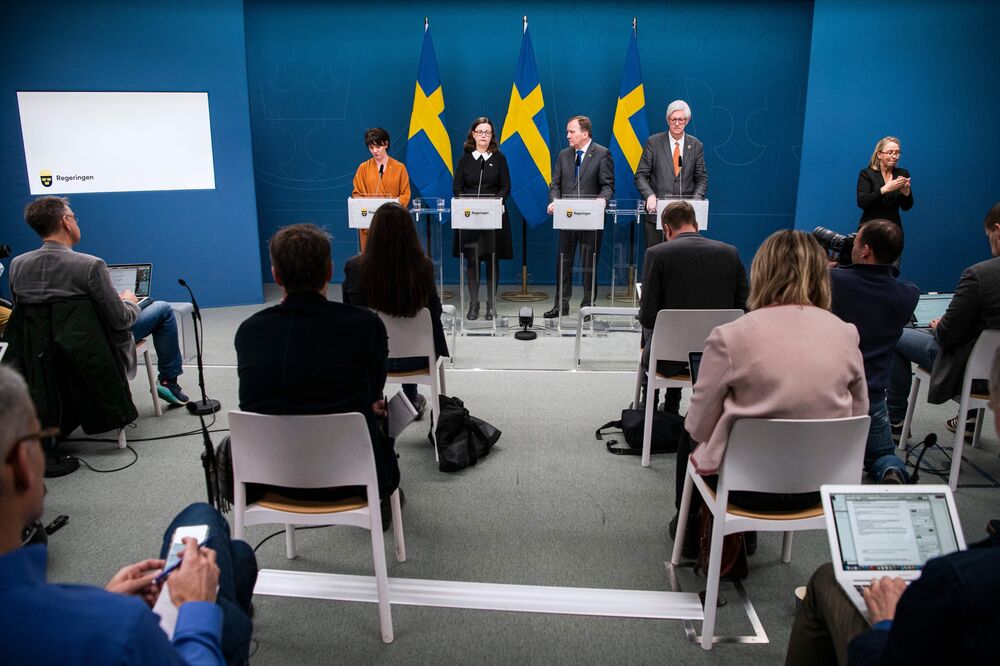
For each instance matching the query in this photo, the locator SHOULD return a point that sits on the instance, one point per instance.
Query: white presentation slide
(883, 534)
(116, 141)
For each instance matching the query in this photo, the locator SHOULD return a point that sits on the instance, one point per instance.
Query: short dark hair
(885, 239)
(992, 218)
(300, 255)
(377, 136)
(44, 214)
(678, 214)
(585, 124)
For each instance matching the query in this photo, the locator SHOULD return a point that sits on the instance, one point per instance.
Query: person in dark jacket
(395, 277)
(883, 187)
(869, 294)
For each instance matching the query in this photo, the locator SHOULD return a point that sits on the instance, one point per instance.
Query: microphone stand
(204, 406)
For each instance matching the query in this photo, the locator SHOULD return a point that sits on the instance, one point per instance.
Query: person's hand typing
(197, 577)
(881, 598)
(129, 295)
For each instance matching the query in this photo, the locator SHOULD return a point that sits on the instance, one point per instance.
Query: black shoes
(555, 311)
(473, 313)
(490, 311)
(419, 404)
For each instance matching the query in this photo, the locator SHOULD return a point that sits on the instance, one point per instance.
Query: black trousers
(589, 243)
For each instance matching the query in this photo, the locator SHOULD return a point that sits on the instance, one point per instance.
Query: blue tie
(579, 161)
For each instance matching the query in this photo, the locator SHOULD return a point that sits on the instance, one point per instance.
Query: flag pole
(524, 296)
(628, 294)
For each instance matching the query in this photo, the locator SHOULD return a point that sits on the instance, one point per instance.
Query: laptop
(694, 365)
(930, 306)
(3, 349)
(136, 277)
(877, 531)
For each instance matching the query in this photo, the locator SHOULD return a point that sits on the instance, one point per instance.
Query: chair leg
(979, 427)
(382, 584)
(911, 402)
(647, 427)
(959, 443)
(712, 590)
(397, 526)
(157, 409)
(121, 439)
(638, 385)
(290, 541)
(682, 518)
(786, 547)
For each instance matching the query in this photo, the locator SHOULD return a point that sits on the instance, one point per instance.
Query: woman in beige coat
(787, 358)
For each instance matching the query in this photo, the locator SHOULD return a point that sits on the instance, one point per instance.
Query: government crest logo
(364, 212)
(569, 212)
(46, 177)
(468, 212)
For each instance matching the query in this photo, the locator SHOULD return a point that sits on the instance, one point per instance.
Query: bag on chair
(667, 431)
(462, 439)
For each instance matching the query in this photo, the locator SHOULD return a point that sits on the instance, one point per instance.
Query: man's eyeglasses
(44, 433)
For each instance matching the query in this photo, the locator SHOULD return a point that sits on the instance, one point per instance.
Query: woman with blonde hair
(883, 187)
(788, 358)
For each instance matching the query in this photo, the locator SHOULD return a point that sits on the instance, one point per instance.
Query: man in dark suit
(672, 165)
(585, 169)
(308, 355)
(948, 615)
(946, 347)
(688, 272)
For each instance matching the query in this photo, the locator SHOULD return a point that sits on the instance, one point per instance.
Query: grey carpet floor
(548, 507)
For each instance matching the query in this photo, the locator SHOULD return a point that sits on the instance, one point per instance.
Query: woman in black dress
(884, 188)
(482, 171)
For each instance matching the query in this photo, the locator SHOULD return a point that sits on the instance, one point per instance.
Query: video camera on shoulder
(837, 246)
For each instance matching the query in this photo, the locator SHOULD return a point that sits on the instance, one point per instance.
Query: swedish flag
(428, 149)
(630, 129)
(524, 140)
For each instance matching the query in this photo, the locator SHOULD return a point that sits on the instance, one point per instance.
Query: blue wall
(321, 73)
(929, 78)
(208, 237)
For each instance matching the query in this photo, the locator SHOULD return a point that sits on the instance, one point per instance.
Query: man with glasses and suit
(672, 165)
(584, 169)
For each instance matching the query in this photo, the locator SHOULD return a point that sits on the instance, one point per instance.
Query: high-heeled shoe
(490, 311)
(473, 313)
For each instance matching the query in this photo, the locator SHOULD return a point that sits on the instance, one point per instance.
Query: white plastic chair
(675, 334)
(142, 348)
(324, 451)
(977, 367)
(414, 337)
(772, 456)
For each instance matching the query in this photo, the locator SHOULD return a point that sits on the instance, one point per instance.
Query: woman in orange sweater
(381, 176)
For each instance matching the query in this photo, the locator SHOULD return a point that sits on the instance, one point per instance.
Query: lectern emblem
(569, 212)
(468, 212)
(364, 212)
(46, 177)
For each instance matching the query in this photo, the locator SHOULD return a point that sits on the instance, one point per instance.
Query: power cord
(109, 471)
(149, 439)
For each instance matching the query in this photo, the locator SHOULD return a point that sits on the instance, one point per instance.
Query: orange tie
(677, 159)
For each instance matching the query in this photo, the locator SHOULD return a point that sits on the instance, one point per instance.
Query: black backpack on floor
(667, 431)
(462, 439)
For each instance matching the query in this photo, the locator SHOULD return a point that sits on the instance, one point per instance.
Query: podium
(700, 209)
(473, 218)
(578, 214)
(582, 218)
(430, 213)
(360, 210)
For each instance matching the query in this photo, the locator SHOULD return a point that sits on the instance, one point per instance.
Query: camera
(838, 246)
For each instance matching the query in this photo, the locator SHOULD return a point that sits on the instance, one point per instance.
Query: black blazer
(691, 272)
(352, 295)
(974, 308)
(877, 206)
(597, 174)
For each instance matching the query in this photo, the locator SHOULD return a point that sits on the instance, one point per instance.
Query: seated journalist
(49, 623)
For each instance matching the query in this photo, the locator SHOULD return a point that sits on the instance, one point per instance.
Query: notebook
(135, 277)
(931, 305)
(877, 531)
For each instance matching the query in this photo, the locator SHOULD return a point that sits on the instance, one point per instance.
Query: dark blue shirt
(44, 623)
(879, 304)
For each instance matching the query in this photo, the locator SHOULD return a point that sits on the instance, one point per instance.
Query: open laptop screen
(131, 276)
(892, 531)
(929, 307)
